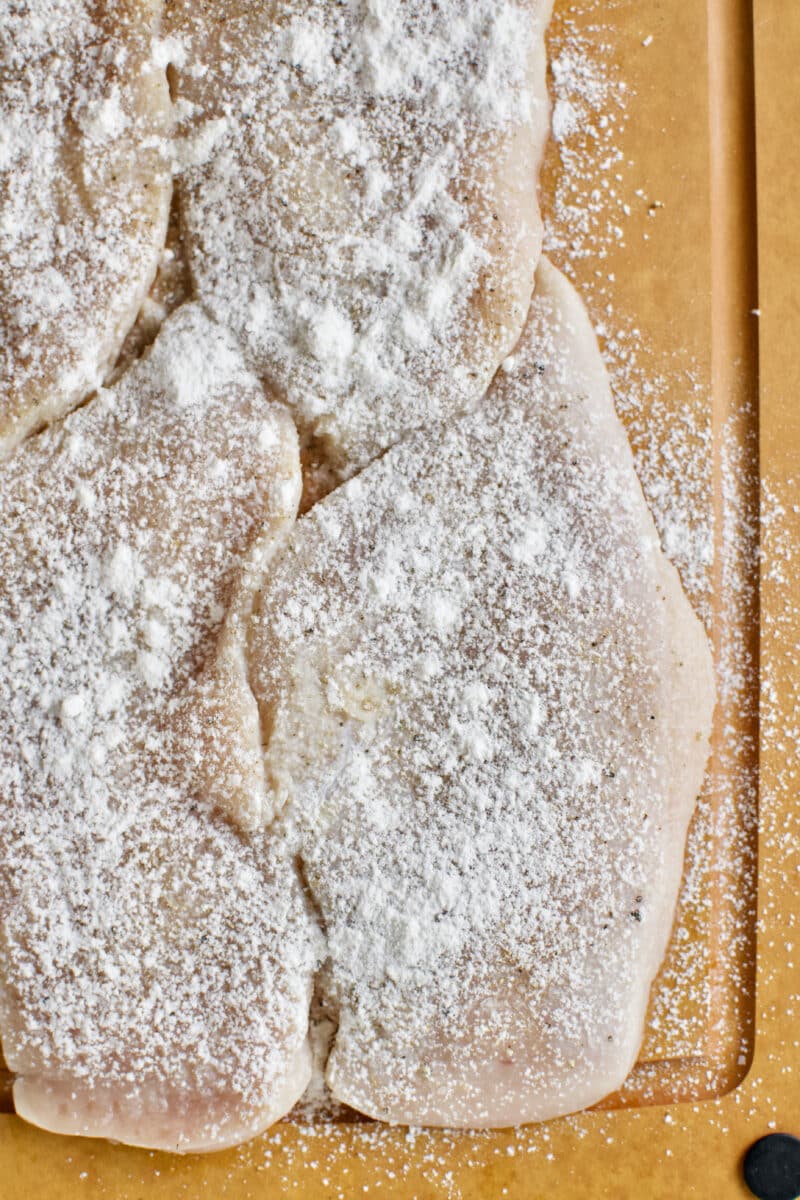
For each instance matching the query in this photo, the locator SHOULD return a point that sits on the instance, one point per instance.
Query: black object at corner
(772, 1167)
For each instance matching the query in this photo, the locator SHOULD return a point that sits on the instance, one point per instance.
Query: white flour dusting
(359, 201)
(156, 964)
(489, 721)
(84, 192)
(588, 213)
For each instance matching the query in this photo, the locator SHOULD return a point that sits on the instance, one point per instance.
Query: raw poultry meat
(84, 195)
(358, 196)
(155, 960)
(486, 705)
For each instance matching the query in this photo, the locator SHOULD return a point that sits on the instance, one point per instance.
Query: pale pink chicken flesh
(359, 204)
(155, 959)
(84, 195)
(486, 703)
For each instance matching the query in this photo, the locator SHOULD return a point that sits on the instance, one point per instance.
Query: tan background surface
(693, 282)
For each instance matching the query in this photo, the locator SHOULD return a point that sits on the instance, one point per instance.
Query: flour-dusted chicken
(486, 703)
(359, 201)
(84, 194)
(155, 961)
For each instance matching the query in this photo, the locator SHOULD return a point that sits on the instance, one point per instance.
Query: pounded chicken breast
(84, 196)
(359, 201)
(486, 704)
(155, 960)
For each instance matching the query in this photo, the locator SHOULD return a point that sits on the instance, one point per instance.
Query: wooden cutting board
(698, 304)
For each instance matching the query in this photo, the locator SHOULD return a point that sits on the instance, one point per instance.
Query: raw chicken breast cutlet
(359, 202)
(84, 195)
(155, 959)
(486, 704)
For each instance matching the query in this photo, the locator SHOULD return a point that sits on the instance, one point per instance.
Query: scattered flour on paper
(591, 104)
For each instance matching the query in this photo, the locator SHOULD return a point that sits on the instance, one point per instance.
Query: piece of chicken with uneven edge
(486, 703)
(84, 196)
(359, 203)
(155, 960)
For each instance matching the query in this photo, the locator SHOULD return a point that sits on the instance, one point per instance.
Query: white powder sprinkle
(354, 226)
(157, 966)
(80, 246)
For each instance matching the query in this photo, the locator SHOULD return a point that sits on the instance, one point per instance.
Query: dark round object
(772, 1167)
